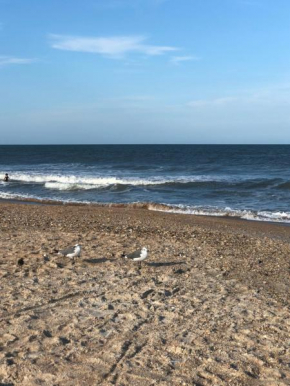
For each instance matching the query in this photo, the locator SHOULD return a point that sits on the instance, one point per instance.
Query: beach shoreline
(150, 206)
(210, 306)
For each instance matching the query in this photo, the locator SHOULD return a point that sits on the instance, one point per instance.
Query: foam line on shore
(267, 216)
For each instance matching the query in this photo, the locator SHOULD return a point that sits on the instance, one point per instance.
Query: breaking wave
(70, 186)
(72, 182)
(275, 216)
(251, 215)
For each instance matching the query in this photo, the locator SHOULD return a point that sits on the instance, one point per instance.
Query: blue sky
(144, 71)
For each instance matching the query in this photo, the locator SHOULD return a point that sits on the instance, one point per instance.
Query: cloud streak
(224, 101)
(180, 59)
(275, 95)
(9, 60)
(114, 47)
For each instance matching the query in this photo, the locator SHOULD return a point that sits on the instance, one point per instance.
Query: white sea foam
(15, 196)
(66, 182)
(226, 212)
(268, 216)
(281, 217)
(33, 198)
(67, 186)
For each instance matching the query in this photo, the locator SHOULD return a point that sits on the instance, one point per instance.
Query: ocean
(247, 181)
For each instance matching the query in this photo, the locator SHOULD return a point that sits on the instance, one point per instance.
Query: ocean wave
(15, 196)
(251, 215)
(69, 186)
(258, 183)
(90, 182)
(275, 216)
(72, 182)
(284, 185)
(22, 197)
(268, 216)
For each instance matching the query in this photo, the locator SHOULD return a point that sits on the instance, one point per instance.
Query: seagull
(139, 255)
(70, 252)
(45, 258)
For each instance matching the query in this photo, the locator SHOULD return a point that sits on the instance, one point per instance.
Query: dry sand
(209, 307)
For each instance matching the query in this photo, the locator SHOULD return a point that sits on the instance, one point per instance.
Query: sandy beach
(210, 306)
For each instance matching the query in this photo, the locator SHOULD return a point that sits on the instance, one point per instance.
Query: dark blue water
(251, 182)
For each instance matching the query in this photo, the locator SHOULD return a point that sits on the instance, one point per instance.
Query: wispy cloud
(212, 102)
(9, 60)
(273, 95)
(179, 59)
(114, 47)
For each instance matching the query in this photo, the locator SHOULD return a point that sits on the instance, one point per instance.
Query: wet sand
(210, 306)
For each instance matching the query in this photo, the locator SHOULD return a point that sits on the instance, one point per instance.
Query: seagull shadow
(166, 263)
(97, 261)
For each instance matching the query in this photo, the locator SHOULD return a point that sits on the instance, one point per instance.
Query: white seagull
(139, 255)
(71, 252)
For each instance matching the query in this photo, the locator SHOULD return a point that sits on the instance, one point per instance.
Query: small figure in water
(6, 178)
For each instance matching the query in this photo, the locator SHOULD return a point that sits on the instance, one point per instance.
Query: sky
(144, 71)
